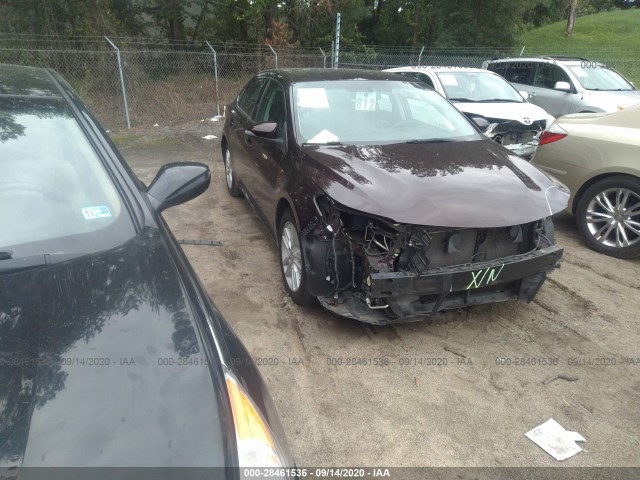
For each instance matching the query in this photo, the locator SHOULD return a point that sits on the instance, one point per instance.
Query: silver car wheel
(291, 255)
(613, 217)
(227, 168)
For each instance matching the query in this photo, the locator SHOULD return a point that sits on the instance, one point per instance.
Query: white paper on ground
(209, 137)
(555, 440)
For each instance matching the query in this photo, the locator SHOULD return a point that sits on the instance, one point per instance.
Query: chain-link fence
(170, 84)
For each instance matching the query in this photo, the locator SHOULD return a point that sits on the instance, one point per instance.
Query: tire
(608, 216)
(294, 276)
(230, 180)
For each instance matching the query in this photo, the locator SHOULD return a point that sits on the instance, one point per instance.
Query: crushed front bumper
(403, 296)
(525, 150)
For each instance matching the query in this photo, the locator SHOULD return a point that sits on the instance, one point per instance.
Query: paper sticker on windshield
(325, 136)
(449, 80)
(366, 101)
(312, 98)
(90, 213)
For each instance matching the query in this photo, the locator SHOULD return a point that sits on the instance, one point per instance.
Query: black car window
(520, 72)
(55, 193)
(547, 75)
(250, 95)
(499, 67)
(422, 77)
(272, 107)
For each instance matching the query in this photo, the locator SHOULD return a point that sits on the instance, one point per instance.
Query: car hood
(471, 184)
(102, 365)
(506, 110)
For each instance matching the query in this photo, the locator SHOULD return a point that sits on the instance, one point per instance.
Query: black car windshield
(55, 195)
(477, 87)
(599, 77)
(375, 112)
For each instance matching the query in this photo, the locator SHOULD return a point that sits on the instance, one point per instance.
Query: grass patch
(609, 37)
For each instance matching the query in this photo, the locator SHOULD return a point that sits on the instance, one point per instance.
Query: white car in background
(512, 121)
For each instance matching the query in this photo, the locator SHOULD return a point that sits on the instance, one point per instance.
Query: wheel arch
(595, 179)
(282, 206)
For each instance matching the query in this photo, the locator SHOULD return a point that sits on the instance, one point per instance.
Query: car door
(242, 112)
(555, 102)
(268, 154)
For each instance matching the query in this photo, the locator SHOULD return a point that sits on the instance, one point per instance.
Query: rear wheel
(608, 216)
(233, 189)
(292, 261)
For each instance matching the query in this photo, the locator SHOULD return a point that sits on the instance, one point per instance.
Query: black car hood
(101, 364)
(451, 184)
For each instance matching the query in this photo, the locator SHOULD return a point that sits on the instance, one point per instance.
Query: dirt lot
(467, 411)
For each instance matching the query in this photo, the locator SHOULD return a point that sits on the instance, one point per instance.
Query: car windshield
(55, 195)
(477, 87)
(376, 112)
(599, 77)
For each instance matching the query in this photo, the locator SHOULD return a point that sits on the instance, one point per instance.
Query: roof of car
(438, 69)
(295, 75)
(21, 81)
(554, 58)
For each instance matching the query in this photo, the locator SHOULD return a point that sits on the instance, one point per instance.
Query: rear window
(55, 194)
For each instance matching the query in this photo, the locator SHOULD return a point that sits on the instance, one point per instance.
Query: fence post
(215, 73)
(333, 53)
(337, 58)
(124, 92)
(420, 57)
(324, 58)
(274, 52)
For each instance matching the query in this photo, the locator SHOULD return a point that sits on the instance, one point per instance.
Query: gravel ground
(394, 407)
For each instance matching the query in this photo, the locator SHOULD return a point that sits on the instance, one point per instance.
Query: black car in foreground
(111, 352)
(387, 203)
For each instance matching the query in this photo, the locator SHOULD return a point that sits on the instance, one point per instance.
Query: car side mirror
(562, 86)
(481, 122)
(265, 130)
(523, 94)
(177, 183)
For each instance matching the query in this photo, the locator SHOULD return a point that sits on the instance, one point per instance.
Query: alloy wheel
(613, 217)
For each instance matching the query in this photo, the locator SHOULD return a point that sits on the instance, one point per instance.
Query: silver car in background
(563, 85)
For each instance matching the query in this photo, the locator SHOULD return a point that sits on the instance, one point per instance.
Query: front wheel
(292, 261)
(608, 216)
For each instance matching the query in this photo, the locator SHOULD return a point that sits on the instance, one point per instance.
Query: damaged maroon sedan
(386, 202)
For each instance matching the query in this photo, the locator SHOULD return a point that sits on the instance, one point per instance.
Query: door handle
(247, 138)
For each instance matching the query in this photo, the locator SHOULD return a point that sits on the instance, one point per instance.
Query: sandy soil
(471, 411)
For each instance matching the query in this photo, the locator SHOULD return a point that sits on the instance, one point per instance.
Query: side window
(422, 77)
(499, 68)
(519, 72)
(548, 75)
(250, 96)
(272, 108)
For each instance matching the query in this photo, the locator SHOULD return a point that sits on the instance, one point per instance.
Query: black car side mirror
(178, 183)
(265, 130)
